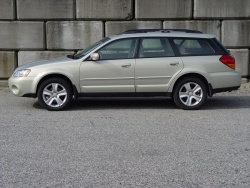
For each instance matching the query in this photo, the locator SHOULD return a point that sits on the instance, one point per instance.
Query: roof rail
(160, 30)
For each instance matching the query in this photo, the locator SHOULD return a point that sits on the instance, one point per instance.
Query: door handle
(174, 63)
(126, 66)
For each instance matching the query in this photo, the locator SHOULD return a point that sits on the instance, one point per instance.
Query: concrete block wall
(45, 9)
(42, 29)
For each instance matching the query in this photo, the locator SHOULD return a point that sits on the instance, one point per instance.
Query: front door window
(121, 49)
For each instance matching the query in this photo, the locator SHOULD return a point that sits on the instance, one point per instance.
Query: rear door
(156, 65)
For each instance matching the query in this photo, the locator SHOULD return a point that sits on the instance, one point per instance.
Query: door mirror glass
(95, 56)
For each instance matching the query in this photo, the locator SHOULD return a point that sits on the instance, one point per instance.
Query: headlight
(21, 73)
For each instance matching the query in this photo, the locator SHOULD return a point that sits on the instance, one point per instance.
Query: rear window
(194, 46)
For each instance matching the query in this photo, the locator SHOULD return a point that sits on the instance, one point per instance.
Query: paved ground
(126, 143)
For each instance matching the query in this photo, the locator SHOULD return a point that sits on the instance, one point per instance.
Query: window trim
(211, 41)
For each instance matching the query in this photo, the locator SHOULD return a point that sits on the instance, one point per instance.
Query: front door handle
(126, 66)
(174, 63)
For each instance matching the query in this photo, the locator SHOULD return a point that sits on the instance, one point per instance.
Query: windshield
(84, 52)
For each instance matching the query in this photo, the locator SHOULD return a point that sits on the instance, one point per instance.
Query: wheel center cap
(190, 93)
(54, 94)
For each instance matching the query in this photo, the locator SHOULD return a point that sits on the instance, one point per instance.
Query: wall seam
(45, 35)
(15, 9)
(74, 10)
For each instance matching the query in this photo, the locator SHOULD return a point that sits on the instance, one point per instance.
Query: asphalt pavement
(125, 143)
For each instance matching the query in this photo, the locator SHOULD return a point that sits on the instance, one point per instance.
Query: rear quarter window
(190, 47)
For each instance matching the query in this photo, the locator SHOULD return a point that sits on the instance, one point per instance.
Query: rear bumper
(225, 80)
(219, 90)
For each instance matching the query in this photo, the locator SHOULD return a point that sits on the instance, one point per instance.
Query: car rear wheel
(55, 94)
(190, 93)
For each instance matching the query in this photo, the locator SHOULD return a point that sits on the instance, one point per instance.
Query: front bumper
(22, 86)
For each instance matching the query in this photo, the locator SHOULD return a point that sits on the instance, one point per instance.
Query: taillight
(228, 60)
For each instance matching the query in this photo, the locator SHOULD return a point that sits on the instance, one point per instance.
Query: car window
(194, 47)
(121, 49)
(155, 47)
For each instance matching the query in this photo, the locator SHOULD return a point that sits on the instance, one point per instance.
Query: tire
(55, 94)
(190, 93)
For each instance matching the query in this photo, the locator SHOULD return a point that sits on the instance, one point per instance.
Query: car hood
(44, 62)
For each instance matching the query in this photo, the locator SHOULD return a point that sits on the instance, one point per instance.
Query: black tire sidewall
(62, 82)
(178, 87)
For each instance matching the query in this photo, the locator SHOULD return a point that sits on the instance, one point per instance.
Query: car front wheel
(55, 94)
(190, 93)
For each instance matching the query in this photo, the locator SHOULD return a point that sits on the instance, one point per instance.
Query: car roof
(162, 33)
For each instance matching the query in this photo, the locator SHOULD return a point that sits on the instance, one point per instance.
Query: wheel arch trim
(58, 75)
(203, 76)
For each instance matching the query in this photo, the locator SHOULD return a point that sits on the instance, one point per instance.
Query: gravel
(126, 143)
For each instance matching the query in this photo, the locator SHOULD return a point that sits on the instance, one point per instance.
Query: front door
(113, 72)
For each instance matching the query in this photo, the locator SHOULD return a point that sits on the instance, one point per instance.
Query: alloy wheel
(54, 95)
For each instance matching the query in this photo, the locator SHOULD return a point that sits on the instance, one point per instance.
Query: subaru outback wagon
(185, 65)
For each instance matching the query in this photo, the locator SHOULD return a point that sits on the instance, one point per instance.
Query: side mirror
(95, 56)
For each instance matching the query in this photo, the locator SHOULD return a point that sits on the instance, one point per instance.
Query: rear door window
(194, 47)
(155, 47)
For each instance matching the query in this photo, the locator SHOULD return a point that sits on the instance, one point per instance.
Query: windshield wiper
(72, 56)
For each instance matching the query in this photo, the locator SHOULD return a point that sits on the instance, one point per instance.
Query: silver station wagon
(185, 65)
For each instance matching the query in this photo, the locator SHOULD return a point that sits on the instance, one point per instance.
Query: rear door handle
(174, 63)
(126, 66)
